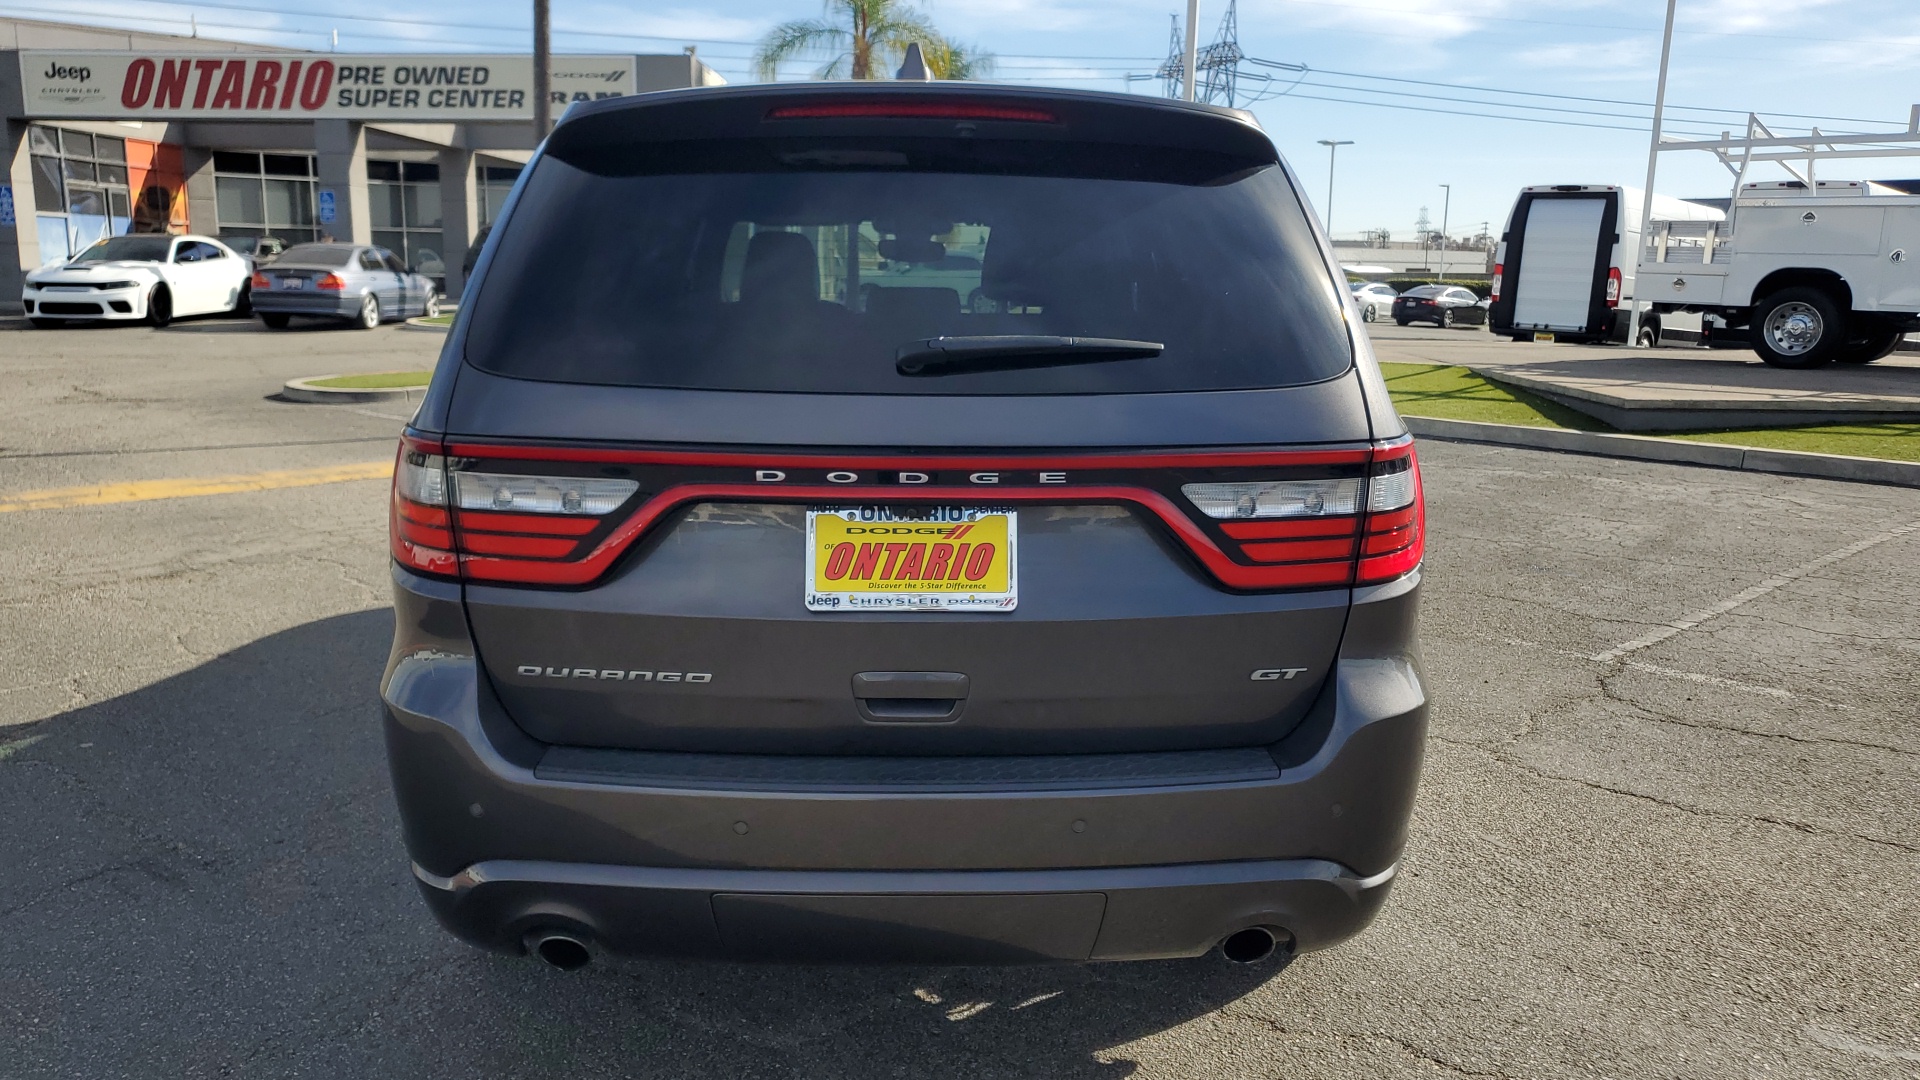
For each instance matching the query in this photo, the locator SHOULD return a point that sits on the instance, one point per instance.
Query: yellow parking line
(147, 490)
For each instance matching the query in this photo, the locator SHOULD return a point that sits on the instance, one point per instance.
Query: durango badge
(615, 674)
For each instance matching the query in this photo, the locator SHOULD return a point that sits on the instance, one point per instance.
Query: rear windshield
(316, 255)
(808, 268)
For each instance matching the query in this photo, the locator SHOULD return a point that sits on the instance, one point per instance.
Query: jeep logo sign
(305, 86)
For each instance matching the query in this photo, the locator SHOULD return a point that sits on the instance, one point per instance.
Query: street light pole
(1445, 209)
(1333, 147)
(1653, 161)
(1193, 46)
(542, 71)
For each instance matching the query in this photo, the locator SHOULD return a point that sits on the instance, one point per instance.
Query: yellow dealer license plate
(1542, 336)
(913, 558)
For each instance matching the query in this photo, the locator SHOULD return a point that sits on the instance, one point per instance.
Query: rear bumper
(1139, 866)
(342, 305)
(966, 917)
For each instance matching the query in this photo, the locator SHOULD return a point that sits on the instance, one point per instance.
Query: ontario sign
(306, 86)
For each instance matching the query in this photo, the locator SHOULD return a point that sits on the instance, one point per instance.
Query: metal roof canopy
(1761, 144)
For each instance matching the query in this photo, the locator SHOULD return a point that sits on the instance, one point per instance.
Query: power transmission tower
(1172, 71)
(1217, 65)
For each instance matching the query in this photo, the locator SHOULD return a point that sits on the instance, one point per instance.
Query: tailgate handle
(910, 697)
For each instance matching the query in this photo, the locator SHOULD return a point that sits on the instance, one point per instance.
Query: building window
(496, 183)
(403, 199)
(79, 189)
(265, 195)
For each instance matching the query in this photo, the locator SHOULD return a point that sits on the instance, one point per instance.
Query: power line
(1219, 69)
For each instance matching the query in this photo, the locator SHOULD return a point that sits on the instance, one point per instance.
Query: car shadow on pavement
(204, 877)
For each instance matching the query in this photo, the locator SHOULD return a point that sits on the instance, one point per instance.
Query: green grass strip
(436, 320)
(1455, 393)
(379, 380)
(1890, 442)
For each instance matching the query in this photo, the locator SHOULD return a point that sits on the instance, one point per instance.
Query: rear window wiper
(1014, 352)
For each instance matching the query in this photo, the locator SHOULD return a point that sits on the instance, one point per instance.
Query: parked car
(734, 621)
(1442, 305)
(259, 250)
(150, 278)
(360, 284)
(1374, 299)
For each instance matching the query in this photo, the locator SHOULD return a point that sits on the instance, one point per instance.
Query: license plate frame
(867, 576)
(293, 283)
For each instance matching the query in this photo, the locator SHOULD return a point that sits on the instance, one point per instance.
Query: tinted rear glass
(785, 266)
(316, 255)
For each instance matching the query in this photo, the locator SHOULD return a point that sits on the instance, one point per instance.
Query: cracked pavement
(1696, 858)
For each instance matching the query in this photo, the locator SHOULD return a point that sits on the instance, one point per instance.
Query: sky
(1432, 92)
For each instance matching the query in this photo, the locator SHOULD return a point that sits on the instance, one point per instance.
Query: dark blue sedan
(358, 283)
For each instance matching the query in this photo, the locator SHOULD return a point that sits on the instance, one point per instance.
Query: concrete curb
(303, 391)
(1672, 451)
(420, 323)
(1705, 413)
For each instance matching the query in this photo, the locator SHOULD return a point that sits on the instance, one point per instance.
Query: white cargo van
(1564, 269)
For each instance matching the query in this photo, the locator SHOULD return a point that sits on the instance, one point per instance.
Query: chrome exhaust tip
(1249, 946)
(563, 951)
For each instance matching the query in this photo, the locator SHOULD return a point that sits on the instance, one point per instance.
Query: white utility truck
(1564, 267)
(1817, 271)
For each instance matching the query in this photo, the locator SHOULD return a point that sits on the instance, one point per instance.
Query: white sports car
(141, 278)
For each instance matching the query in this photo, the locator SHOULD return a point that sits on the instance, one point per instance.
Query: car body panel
(1144, 760)
(1429, 303)
(290, 285)
(202, 276)
(1374, 299)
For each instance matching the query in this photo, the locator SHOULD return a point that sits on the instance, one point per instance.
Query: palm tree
(865, 39)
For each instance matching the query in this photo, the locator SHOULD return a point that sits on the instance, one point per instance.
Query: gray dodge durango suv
(937, 523)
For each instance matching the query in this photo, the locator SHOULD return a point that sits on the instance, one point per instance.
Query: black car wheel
(40, 323)
(275, 320)
(159, 307)
(1878, 343)
(243, 304)
(1446, 319)
(1397, 319)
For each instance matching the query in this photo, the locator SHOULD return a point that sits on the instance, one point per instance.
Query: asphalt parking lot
(1667, 827)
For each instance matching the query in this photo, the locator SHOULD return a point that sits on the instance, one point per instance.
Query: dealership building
(111, 132)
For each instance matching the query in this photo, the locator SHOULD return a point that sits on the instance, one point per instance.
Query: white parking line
(1748, 596)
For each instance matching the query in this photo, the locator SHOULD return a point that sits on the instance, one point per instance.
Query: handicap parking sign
(326, 206)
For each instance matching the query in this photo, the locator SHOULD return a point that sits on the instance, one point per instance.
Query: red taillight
(496, 526)
(1394, 538)
(556, 515)
(260, 281)
(330, 282)
(1613, 287)
(1497, 269)
(1363, 528)
(912, 110)
(417, 524)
